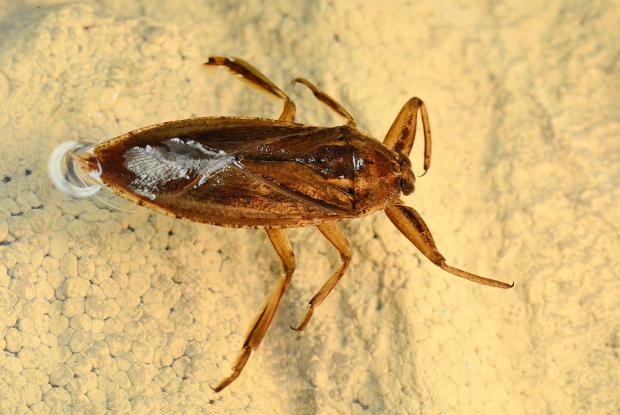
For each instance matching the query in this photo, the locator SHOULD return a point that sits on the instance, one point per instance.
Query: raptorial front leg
(331, 231)
(263, 320)
(410, 223)
(401, 135)
(326, 99)
(256, 79)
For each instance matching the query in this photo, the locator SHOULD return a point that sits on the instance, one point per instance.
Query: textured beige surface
(121, 311)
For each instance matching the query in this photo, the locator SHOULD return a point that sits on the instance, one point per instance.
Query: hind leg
(256, 79)
(263, 320)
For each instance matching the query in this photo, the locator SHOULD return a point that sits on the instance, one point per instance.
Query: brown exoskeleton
(273, 174)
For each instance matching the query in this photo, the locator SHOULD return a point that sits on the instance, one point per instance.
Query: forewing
(235, 198)
(233, 172)
(316, 164)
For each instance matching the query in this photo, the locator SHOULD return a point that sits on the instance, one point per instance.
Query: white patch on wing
(176, 159)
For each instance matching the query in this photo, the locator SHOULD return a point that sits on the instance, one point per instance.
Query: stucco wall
(125, 310)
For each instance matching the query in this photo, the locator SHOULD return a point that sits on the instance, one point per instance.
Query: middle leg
(326, 99)
(331, 231)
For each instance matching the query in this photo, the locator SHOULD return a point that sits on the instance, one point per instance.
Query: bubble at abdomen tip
(66, 174)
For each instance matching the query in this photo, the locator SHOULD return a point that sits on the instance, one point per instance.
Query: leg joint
(289, 265)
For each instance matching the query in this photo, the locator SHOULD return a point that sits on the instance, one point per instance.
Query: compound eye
(406, 186)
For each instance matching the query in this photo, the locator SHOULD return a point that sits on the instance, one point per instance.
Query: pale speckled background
(104, 310)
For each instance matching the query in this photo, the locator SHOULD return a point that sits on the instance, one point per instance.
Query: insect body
(244, 172)
(272, 174)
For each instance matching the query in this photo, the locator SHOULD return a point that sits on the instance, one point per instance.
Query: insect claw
(427, 165)
(220, 386)
(301, 326)
(305, 321)
(216, 60)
